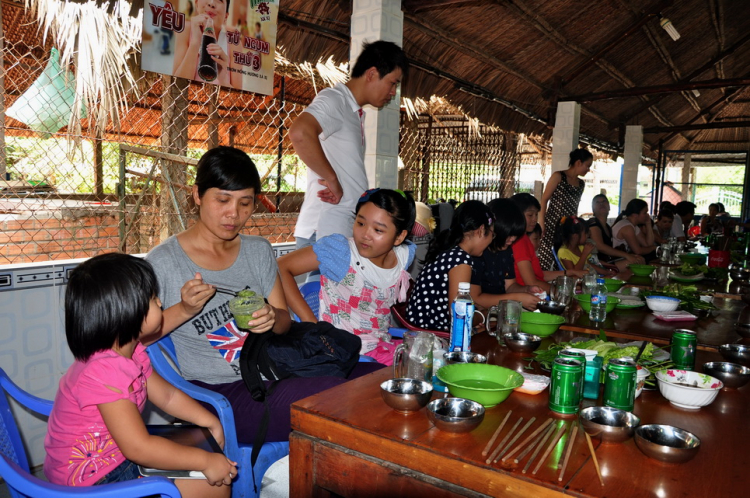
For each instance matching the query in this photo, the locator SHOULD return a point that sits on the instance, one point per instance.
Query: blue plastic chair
(557, 260)
(164, 360)
(14, 464)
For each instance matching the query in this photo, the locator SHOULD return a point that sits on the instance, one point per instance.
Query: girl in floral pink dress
(361, 276)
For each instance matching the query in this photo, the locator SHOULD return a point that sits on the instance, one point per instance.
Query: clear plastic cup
(244, 305)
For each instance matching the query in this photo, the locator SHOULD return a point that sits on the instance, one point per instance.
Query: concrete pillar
(686, 188)
(565, 134)
(379, 20)
(633, 150)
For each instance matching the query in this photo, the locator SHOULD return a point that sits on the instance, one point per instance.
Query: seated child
(573, 249)
(96, 434)
(361, 277)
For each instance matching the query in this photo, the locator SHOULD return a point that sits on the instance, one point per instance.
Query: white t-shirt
(617, 241)
(677, 228)
(343, 143)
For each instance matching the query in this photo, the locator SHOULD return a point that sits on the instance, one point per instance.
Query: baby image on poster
(225, 42)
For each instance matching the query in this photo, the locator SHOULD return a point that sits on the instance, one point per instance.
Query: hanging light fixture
(669, 27)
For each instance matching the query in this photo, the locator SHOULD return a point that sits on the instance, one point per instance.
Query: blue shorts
(126, 471)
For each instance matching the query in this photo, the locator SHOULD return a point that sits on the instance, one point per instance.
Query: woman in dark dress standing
(561, 197)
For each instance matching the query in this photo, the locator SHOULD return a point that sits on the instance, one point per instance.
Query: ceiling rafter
(716, 14)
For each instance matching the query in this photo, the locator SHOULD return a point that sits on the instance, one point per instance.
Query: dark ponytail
(582, 155)
(469, 216)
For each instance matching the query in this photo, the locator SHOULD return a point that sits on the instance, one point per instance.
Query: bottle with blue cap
(598, 312)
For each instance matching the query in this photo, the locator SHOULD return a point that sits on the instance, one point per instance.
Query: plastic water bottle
(462, 312)
(598, 311)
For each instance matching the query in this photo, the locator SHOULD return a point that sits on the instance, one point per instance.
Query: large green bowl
(693, 258)
(613, 285)
(585, 301)
(642, 270)
(486, 384)
(541, 324)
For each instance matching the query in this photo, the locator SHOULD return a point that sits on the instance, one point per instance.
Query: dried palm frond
(98, 44)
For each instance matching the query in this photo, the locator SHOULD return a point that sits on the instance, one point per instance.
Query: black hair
(721, 207)
(566, 228)
(665, 213)
(524, 201)
(469, 216)
(582, 155)
(384, 56)
(400, 205)
(635, 206)
(683, 208)
(106, 301)
(509, 221)
(598, 196)
(667, 205)
(226, 168)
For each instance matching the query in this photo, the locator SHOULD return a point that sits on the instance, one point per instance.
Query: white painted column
(686, 170)
(374, 20)
(565, 134)
(633, 150)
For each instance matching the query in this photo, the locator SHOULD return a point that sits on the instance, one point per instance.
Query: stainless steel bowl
(737, 272)
(456, 415)
(613, 425)
(667, 443)
(406, 395)
(464, 357)
(518, 342)
(731, 374)
(736, 353)
(743, 331)
(551, 307)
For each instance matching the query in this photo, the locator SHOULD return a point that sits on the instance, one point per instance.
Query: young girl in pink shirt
(96, 434)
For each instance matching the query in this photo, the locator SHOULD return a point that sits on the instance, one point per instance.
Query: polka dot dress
(428, 307)
(563, 202)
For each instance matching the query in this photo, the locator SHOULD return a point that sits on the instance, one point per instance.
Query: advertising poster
(225, 42)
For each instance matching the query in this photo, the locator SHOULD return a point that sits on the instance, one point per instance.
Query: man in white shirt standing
(329, 138)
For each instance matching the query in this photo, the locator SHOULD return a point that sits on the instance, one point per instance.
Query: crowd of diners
(355, 240)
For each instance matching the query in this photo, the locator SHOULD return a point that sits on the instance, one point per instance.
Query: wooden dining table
(347, 442)
(640, 323)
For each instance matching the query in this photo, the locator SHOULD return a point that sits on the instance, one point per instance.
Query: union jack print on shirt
(228, 340)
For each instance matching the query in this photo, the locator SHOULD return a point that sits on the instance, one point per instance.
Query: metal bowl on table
(613, 425)
(731, 374)
(518, 342)
(735, 353)
(667, 443)
(406, 395)
(737, 272)
(464, 357)
(552, 307)
(456, 415)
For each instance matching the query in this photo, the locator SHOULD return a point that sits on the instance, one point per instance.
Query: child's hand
(197, 23)
(218, 54)
(219, 470)
(263, 319)
(528, 301)
(195, 294)
(588, 247)
(217, 431)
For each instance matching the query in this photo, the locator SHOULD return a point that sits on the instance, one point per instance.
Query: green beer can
(574, 354)
(619, 384)
(565, 386)
(684, 343)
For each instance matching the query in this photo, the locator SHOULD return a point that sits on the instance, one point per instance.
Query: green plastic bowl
(541, 324)
(489, 385)
(585, 301)
(642, 270)
(613, 285)
(693, 258)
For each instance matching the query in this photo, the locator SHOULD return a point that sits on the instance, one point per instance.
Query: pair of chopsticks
(591, 449)
(224, 290)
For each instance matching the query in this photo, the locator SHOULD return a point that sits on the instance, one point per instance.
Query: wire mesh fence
(69, 195)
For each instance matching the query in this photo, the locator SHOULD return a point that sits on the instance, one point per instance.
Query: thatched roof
(508, 62)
